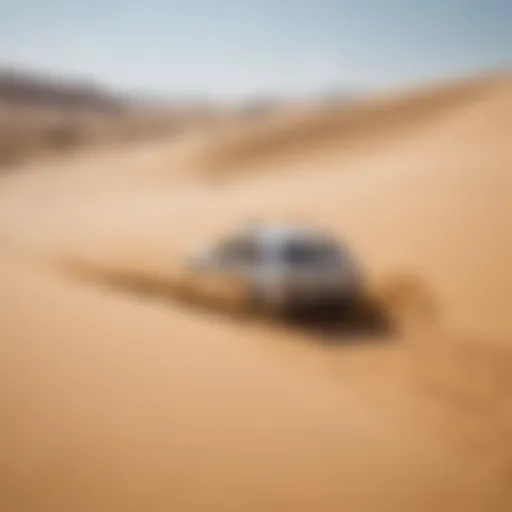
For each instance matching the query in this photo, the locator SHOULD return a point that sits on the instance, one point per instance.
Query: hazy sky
(234, 48)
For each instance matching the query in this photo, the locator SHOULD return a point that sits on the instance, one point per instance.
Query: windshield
(303, 253)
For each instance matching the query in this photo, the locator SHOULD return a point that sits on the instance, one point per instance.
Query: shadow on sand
(359, 321)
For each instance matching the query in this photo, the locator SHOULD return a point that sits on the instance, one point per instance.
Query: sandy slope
(115, 401)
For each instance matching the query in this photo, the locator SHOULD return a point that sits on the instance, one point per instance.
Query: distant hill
(25, 89)
(41, 115)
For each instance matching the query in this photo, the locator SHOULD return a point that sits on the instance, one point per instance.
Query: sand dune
(114, 400)
(345, 127)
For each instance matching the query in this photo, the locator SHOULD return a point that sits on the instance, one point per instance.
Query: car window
(303, 253)
(297, 253)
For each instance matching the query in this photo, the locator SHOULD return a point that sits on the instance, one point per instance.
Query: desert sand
(116, 400)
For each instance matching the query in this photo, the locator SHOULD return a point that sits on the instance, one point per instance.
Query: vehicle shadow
(360, 321)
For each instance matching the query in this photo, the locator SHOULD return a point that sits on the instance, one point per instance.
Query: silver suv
(282, 268)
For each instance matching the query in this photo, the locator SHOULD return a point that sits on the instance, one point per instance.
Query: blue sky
(239, 48)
